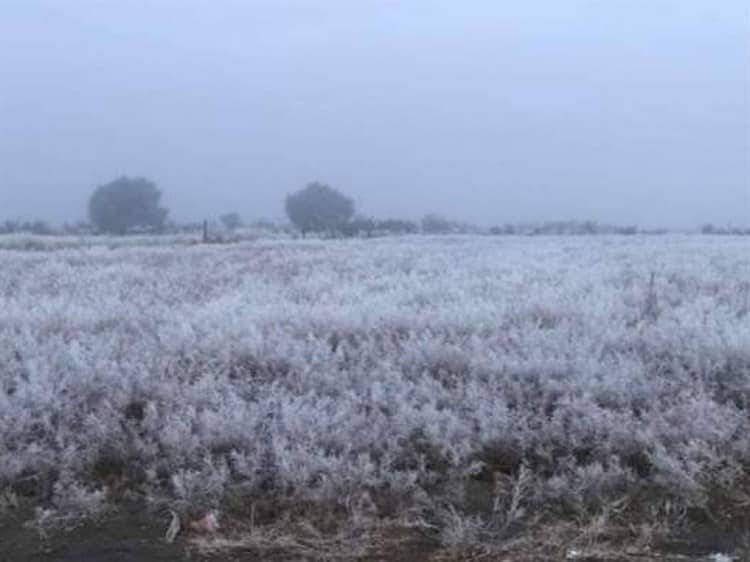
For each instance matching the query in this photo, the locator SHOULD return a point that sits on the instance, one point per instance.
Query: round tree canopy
(318, 208)
(126, 203)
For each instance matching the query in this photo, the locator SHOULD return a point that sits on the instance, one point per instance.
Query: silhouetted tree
(34, 227)
(231, 221)
(319, 208)
(436, 224)
(10, 226)
(359, 226)
(40, 227)
(397, 226)
(126, 203)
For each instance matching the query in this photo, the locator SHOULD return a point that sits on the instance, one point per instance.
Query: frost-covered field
(472, 384)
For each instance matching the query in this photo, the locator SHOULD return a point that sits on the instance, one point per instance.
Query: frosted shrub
(304, 372)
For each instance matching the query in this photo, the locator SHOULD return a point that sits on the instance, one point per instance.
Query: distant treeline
(231, 227)
(43, 228)
(730, 230)
(570, 228)
(131, 205)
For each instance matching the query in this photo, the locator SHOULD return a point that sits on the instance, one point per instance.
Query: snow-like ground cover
(30, 242)
(473, 384)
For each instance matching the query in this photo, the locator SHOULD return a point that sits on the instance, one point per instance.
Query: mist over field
(375, 280)
(620, 112)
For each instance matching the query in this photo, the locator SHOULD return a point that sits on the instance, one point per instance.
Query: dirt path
(140, 538)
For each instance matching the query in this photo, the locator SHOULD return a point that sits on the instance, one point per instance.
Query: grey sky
(484, 110)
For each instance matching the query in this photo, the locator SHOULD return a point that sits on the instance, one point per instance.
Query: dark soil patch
(126, 537)
(138, 537)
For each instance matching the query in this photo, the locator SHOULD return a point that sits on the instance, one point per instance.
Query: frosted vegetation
(472, 385)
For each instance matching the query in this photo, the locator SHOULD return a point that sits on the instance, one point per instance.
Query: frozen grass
(26, 242)
(471, 385)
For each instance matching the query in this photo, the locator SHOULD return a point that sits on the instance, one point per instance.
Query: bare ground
(137, 537)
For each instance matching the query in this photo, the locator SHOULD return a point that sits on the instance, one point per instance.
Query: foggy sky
(627, 111)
